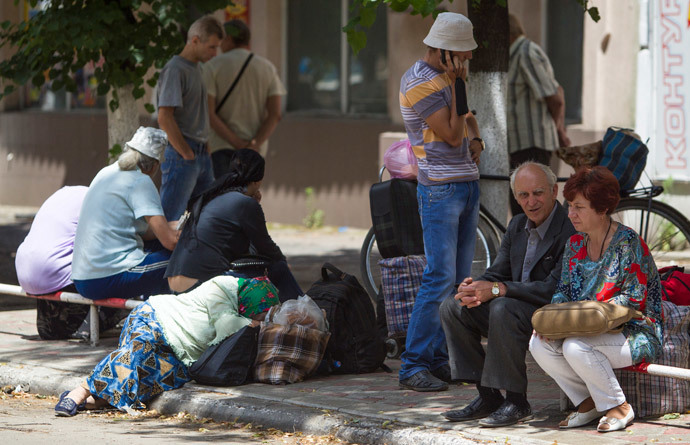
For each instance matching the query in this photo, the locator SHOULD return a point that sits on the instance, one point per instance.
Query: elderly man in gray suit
(500, 303)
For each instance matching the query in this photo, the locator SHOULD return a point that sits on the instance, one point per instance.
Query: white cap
(452, 32)
(149, 141)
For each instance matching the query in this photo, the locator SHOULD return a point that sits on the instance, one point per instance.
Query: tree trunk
(487, 95)
(124, 121)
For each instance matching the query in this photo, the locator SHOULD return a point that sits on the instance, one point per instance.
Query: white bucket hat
(452, 32)
(149, 141)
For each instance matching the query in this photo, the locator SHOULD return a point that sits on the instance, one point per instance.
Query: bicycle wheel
(665, 230)
(369, 257)
(485, 250)
(485, 247)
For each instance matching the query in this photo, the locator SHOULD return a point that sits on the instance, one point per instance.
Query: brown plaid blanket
(652, 395)
(288, 354)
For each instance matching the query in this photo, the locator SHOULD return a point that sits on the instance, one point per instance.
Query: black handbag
(229, 362)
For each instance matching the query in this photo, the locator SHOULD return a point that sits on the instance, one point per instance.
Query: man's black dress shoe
(442, 373)
(507, 414)
(477, 409)
(423, 381)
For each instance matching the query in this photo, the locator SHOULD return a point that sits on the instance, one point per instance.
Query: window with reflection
(324, 76)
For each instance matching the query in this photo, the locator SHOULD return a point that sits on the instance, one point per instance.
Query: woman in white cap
(121, 210)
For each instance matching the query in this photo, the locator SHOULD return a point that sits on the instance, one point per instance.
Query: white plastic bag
(400, 160)
(302, 311)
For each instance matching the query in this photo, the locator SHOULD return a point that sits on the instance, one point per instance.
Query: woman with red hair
(609, 262)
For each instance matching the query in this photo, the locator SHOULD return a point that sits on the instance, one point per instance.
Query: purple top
(44, 259)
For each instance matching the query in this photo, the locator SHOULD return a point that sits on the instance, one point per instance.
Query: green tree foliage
(124, 37)
(363, 14)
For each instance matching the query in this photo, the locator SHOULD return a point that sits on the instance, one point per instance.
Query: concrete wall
(41, 152)
(610, 66)
(337, 157)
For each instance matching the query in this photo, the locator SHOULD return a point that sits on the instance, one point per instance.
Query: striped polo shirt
(424, 91)
(530, 80)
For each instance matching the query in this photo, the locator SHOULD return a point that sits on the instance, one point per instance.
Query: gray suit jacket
(507, 267)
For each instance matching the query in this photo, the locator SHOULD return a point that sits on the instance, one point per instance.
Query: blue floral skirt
(142, 366)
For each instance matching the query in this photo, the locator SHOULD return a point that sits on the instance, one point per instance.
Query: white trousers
(583, 366)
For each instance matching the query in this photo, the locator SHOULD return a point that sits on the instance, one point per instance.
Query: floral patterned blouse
(625, 274)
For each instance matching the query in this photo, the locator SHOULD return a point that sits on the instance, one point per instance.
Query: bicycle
(489, 234)
(665, 230)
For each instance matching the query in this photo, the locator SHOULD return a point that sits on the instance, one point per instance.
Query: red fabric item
(675, 285)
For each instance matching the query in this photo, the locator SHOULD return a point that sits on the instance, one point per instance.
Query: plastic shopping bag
(400, 160)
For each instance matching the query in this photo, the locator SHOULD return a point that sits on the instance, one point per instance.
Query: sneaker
(66, 407)
(423, 381)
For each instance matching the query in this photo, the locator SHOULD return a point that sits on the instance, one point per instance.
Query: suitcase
(401, 278)
(395, 217)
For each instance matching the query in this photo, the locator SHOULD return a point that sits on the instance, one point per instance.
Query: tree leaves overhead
(363, 14)
(124, 38)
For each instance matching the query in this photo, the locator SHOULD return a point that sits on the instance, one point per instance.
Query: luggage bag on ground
(355, 345)
(401, 278)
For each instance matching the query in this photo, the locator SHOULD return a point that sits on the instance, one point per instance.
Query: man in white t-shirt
(251, 112)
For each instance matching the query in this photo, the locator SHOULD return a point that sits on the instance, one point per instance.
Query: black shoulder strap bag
(234, 82)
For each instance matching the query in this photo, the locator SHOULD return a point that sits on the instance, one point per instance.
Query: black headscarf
(246, 166)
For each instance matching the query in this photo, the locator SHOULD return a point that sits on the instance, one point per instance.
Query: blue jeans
(182, 179)
(449, 215)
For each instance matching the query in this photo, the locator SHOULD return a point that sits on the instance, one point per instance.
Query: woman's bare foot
(79, 395)
(93, 402)
(620, 411)
(586, 405)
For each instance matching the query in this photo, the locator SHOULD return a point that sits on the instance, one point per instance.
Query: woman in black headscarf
(224, 222)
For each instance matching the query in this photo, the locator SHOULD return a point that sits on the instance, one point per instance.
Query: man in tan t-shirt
(252, 110)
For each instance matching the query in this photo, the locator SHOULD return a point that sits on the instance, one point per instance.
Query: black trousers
(507, 324)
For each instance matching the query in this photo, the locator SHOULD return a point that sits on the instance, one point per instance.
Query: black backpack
(355, 345)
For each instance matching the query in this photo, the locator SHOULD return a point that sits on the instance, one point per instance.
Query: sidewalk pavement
(367, 408)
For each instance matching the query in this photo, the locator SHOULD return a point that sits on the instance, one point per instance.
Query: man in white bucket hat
(121, 210)
(445, 138)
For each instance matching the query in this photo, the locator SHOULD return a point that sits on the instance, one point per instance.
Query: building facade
(337, 105)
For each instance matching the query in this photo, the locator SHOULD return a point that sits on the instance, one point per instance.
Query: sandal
(607, 424)
(577, 419)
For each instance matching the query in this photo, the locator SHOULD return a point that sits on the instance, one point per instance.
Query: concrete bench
(70, 297)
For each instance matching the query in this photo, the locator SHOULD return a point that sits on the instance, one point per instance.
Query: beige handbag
(581, 318)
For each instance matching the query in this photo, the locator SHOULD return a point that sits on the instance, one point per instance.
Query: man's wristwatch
(495, 289)
(481, 141)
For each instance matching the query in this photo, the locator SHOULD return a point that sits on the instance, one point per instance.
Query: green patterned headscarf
(256, 295)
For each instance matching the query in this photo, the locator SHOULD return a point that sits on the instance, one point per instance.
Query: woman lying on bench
(162, 337)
